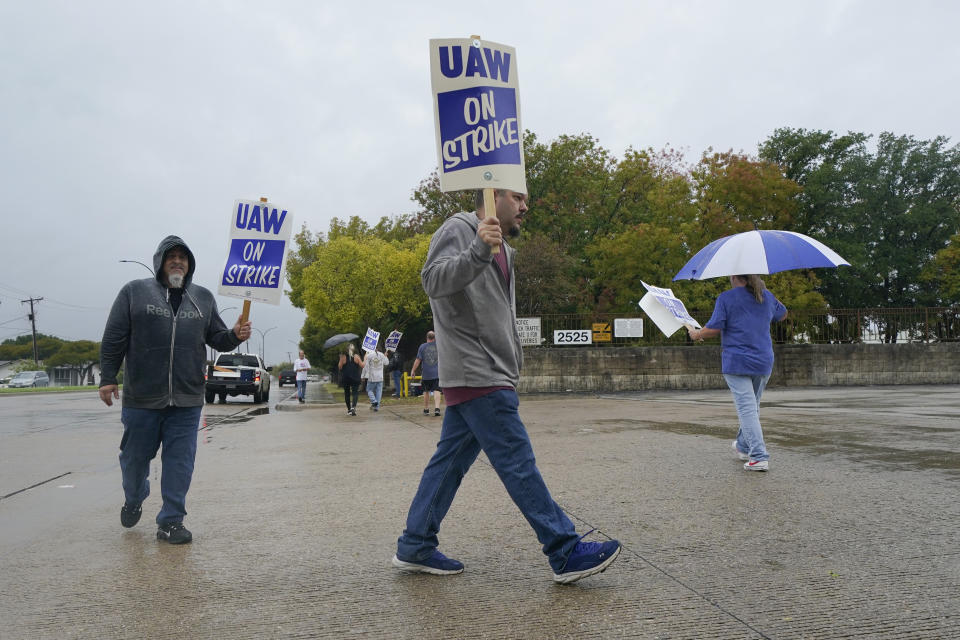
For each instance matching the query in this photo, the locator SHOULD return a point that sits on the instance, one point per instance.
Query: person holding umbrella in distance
(742, 316)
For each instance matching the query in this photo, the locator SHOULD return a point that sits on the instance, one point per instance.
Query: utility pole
(33, 324)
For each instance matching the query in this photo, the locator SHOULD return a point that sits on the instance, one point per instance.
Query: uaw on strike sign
(477, 115)
(259, 238)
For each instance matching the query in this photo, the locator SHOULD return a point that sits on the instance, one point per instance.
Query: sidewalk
(295, 514)
(316, 394)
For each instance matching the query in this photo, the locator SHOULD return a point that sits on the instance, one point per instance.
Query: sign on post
(257, 255)
(476, 114)
(572, 337)
(602, 332)
(628, 327)
(529, 331)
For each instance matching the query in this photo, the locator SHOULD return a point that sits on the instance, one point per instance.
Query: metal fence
(802, 326)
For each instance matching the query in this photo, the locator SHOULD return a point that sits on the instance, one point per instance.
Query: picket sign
(477, 117)
(393, 340)
(257, 254)
(370, 340)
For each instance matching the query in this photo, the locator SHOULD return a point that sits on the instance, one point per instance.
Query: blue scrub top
(744, 326)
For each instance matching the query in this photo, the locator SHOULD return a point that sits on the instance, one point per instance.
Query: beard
(514, 231)
(175, 280)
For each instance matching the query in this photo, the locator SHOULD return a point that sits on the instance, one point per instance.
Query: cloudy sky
(122, 122)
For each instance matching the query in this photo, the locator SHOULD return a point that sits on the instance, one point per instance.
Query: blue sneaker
(437, 564)
(587, 559)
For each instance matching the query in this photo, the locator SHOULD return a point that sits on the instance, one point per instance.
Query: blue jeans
(375, 391)
(144, 430)
(397, 381)
(491, 423)
(746, 392)
(301, 389)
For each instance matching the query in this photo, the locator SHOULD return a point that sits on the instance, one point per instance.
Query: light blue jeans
(375, 392)
(746, 392)
(301, 389)
(491, 423)
(144, 430)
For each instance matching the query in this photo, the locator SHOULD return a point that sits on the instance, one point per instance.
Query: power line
(20, 292)
(49, 299)
(13, 319)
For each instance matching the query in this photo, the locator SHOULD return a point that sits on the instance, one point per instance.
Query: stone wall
(698, 367)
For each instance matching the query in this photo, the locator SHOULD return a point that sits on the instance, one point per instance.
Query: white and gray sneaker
(740, 454)
(757, 465)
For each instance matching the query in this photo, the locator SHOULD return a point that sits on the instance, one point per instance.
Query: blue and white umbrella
(758, 252)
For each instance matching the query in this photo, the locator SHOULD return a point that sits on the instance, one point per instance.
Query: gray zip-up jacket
(474, 311)
(165, 352)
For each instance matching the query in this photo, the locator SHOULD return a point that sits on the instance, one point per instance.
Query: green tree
(735, 193)
(544, 277)
(80, 355)
(21, 347)
(567, 180)
(943, 273)
(357, 282)
(435, 206)
(643, 253)
(888, 212)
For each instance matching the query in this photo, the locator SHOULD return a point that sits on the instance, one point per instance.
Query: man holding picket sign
(468, 277)
(156, 332)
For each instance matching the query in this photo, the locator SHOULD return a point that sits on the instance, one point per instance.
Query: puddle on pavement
(858, 446)
(246, 416)
(209, 423)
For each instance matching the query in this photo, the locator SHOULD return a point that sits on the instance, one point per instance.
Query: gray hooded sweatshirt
(165, 352)
(474, 311)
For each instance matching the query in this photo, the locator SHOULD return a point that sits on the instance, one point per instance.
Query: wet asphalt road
(853, 532)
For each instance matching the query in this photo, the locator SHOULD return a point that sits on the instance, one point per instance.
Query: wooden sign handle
(490, 209)
(489, 203)
(245, 314)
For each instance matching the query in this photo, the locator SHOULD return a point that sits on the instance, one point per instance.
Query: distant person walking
(157, 330)
(350, 365)
(742, 317)
(430, 378)
(395, 367)
(374, 362)
(302, 367)
(473, 298)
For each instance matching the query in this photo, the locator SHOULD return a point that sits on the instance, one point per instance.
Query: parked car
(29, 379)
(288, 376)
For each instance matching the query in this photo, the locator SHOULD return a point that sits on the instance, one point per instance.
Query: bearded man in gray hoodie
(158, 329)
(472, 296)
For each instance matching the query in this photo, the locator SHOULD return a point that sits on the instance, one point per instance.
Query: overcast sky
(122, 122)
